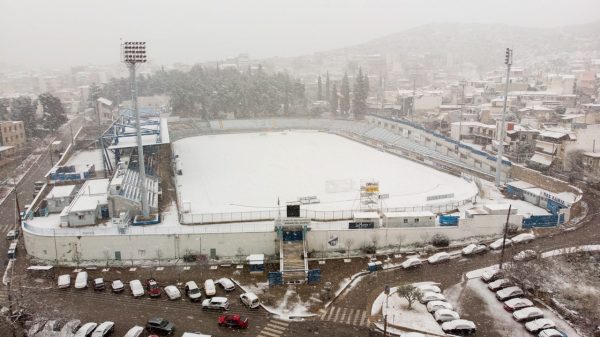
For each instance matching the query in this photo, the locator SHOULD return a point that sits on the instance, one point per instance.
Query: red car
(152, 288)
(233, 321)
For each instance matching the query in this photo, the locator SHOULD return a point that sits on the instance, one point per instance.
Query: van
(250, 300)
(209, 287)
(12, 251)
(81, 280)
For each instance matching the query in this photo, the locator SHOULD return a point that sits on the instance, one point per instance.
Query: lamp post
(132, 54)
(500, 133)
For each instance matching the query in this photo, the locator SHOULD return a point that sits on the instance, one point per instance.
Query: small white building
(89, 205)
(366, 217)
(60, 197)
(499, 209)
(409, 219)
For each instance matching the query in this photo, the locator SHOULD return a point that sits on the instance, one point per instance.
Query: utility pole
(414, 92)
(504, 237)
(500, 133)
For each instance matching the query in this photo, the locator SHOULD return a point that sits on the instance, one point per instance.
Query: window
(80, 216)
(417, 220)
(405, 220)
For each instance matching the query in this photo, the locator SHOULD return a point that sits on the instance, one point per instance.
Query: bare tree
(349, 242)
(410, 293)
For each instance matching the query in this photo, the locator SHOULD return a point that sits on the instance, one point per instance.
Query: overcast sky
(74, 32)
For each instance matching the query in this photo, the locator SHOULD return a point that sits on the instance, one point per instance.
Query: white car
(527, 314)
(172, 292)
(439, 258)
(209, 287)
(136, 331)
(411, 262)
(434, 306)
(459, 326)
(194, 334)
(215, 303)
(474, 249)
(431, 296)
(250, 300)
(81, 280)
(551, 333)
(428, 287)
(498, 244)
(86, 329)
(104, 329)
(226, 283)
(137, 289)
(509, 293)
(193, 291)
(523, 238)
(490, 275)
(117, 286)
(70, 327)
(64, 281)
(540, 324)
(499, 284)
(517, 304)
(525, 255)
(445, 315)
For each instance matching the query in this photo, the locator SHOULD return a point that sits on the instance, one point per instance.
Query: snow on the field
(249, 172)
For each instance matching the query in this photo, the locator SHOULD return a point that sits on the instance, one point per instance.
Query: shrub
(440, 240)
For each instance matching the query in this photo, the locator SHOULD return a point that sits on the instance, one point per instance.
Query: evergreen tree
(4, 105)
(359, 95)
(319, 89)
(54, 112)
(23, 109)
(327, 88)
(333, 100)
(345, 96)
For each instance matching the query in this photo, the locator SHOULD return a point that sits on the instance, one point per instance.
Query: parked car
(215, 303)
(552, 333)
(193, 291)
(523, 238)
(137, 290)
(136, 331)
(434, 306)
(431, 296)
(226, 283)
(517, 304)
(194, 334)
(64, 281)
(527, 314)
(152, 288)
(81, 280)
(499, 284)
(459, 326)
(474, 249)
(250, 300)
(99, 283)
(70, 327)
(104, 329)
(445, 315)
(160, 325)
(498, 244)
(86, 330)
(233, 321)
(209, 288)
(439, 258)
(411, 262)
(428, 287)
(172, 292)
(12, 234)
(491, 275)
(117, 286)
(509, 293)
(539, 324)
(525, 255)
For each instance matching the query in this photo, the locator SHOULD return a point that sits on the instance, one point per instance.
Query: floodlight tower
(500, 133)
(132, 54)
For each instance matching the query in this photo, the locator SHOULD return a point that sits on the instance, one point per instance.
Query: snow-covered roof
(87, 158)
(541, 159)
(408, 214)
(61, 191)
(256, 258)
(365, 215)
(104, 101)
(554, 133)
(592, 154)
(92, 193)
(498, 207)
(520, 184)
(572, 116)
(5, 148)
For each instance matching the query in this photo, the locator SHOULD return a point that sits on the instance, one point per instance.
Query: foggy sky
(75, 32)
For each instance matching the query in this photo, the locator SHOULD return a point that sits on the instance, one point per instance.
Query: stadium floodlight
(132, 53)
(508, 58)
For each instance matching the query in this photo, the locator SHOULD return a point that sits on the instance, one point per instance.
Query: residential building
(591, 166)
(12, 134)
(105, 110)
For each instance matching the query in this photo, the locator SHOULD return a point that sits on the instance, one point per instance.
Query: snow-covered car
(104, 329)
(499, 284)
(509, 293)
(445, 315)
(517, 304)
(459, 326)
(539, 324)
(527, 314)
(194, 334)
(428, 287)
(136, 331)
(70, 327)
(434, 306)
(498, 244)
(98, 284)
(172, 292)
(86, 330)
(81, 280)
(525, 255)
(226, 283)
(209, 287)
(117, 286)
(250, 300)
(137, 289)
(64, 281)
(439, 258)
(411, 262)
(491, 275)
(193, 291)
(153, 288)
(431, 296)
(552, 333)
(473, 249)
(215, 303)
(523, 238)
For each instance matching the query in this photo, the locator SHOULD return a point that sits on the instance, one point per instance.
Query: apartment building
(12, 133)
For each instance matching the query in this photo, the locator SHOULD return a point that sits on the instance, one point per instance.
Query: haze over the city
(72, 32)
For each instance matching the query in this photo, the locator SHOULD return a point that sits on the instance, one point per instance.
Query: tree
(327, 88)
(574, 164)
(333, 100)
(319, 89)
(54, 112)
(410, 293)
(359, 95)
(345, 96)
(23, 109)
(4, 105)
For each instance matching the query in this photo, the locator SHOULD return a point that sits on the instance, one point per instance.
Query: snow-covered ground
(249, 172)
